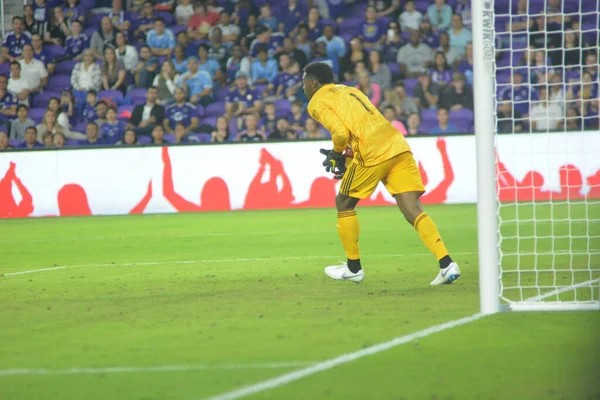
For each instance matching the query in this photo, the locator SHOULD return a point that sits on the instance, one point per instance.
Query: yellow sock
(348, 230)
(430, 236)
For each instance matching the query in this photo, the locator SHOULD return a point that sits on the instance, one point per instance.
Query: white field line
(343, 359)
(160, 368)
(561, 290)
(191, 235)
(227, 260)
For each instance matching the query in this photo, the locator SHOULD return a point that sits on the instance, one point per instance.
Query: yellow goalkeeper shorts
(399, 174)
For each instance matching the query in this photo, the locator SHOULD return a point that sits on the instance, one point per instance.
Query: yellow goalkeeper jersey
(352, 119)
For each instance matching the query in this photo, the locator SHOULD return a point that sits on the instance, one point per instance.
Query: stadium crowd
(101, 72)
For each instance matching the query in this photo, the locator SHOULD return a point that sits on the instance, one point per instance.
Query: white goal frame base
(556, 306)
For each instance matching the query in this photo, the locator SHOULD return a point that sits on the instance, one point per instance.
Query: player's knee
(345, 203)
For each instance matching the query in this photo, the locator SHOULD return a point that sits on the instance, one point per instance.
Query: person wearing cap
(198, 83)
(242, 99)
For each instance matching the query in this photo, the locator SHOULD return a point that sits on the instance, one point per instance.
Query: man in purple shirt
(242, 99)
(373, 31)
(264, 37)
(180, 112)
(15, 40)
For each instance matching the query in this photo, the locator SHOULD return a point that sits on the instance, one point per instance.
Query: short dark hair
(320, 71)
(92, 123)
(102, 102)
(22, 106)
(31, 127)
(15, 63)
(92, 91)
(160, 19)
(203, 46)
(17, 17)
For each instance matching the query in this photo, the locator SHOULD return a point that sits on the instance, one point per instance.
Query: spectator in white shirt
(410, 19)
(183, 12)
(229, 31)
(32, 70)
(545, 115)
(87, 75)
(126, 53)
(414, 57)
(17, 85)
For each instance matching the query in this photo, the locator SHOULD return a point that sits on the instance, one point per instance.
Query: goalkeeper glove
(334, 162)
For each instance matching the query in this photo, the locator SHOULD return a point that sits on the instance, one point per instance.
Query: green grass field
(193, 306)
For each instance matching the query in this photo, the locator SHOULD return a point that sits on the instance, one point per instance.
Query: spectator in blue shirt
(180, 112)
(39, 53)
(93, 136)
(112, 130)
(198, 83)
(146, 20)
(266, 18)
(321, 56)
(30, 141)
(264, 37)
(459, 35)
(373, 31)
(160, 39)
(208, 64)
(336, 48)
(146, 69)
(440, 15)
(241, 99)
(76, 43)
(264, 69)
(15, 40)
(444, 126)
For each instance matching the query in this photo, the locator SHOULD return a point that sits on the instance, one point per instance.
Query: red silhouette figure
(267, 195)
(73, 201)
(594, 182)
(571, 183)
(439, 194)
(322, 194)
(214, 196)
(529, 189)
(8, 206)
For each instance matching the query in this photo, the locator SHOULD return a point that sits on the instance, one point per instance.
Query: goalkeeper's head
(316, 74)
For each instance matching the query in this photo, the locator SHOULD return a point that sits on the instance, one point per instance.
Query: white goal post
(539, 253)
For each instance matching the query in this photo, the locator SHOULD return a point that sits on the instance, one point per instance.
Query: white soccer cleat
(447, 275)
(342, 273)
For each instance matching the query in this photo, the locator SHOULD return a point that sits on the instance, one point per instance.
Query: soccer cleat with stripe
(342, 273)
(447, 275)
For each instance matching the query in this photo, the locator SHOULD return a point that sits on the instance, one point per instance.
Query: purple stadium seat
(144, 139)
(351, 25)
(221, 93)
(410, 84)
(212, 121)
(283, 107)
(177, 28)
(200, 110)
(72, 142)
(65, 67)
(233, 129)
(463, 119)
(358, 9)
(80, 127)
(421, 5)
(394, 68)
(41, 100)
(58, 82)
(138, 96)
(428, 119)
(90, 31)
(14, 143)
(203, 137)
(215, 109)
(260, 88)
(37, 114)
(95, 20)
(167, 16)
(5, 68)
(54, 50)
(347, 37)
(112, 95)
(170, 138)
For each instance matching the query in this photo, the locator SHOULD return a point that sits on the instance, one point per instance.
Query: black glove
(334, 162)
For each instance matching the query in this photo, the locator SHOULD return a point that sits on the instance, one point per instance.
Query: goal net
(547, 153)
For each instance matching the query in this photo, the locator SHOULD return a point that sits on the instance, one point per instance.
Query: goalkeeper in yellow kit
(381, 154)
